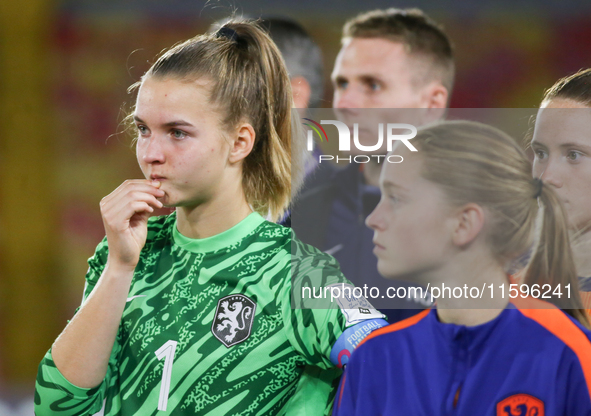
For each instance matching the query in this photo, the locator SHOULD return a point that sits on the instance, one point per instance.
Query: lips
(157, 177)
(378, 246)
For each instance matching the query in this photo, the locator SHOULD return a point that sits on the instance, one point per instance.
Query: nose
(151, 150)
(347, 98)
(551, 174)
(375, 220)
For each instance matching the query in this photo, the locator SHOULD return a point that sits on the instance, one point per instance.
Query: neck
(581, 246)
(468, 317)
(371, 173)
(468, 273)
(214, 216)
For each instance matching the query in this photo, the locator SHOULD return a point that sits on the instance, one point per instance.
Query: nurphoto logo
(394, 132)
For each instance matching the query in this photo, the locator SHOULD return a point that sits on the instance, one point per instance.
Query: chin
(386, 271)
(169, 202)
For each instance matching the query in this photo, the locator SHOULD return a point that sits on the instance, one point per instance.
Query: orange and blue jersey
(585, 292)
(525, 362)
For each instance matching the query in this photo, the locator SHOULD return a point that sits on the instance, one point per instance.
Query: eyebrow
(369, 79)
(575, 144)
(537, 143)
(564, 145)
(392, 185)
(173, 123)
(365, 78)
(338, 78)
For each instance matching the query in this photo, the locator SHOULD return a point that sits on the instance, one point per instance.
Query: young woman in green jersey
(192, 313)
(562, 159)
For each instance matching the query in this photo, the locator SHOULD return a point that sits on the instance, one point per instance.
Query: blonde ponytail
(551, 262)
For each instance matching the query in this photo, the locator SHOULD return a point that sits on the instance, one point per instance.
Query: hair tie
(539, 184)
(231, 35)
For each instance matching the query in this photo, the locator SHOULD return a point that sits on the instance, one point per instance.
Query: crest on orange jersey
(520, 405)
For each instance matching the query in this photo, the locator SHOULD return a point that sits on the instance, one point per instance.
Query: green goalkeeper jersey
(209, 329)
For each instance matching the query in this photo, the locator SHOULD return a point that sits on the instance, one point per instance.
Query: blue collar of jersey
(469, 336)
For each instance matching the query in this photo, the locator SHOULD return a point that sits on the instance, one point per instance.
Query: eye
(392, 197)
(540, 154)
(342, 84)
(574, 155)
(178, 134)
(372, 84)
(143, 130)
(375, 86)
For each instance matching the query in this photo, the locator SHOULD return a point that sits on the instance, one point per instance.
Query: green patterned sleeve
(54, 394)
(313, 324)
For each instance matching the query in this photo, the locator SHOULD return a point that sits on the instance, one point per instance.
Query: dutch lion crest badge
(233, 319)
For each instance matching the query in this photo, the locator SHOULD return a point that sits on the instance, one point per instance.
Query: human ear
(468, 224)
(242, 143)
(301, 91)
(437, 97)
(434, 101)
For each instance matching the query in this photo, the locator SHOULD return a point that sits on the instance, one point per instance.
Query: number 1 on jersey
(167, 352)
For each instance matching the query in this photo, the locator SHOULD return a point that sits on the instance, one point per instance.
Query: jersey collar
(221, 240)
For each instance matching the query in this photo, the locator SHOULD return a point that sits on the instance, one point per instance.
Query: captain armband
(350, 338)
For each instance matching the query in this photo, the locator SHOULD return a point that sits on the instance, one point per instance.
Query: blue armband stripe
(350, 338)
